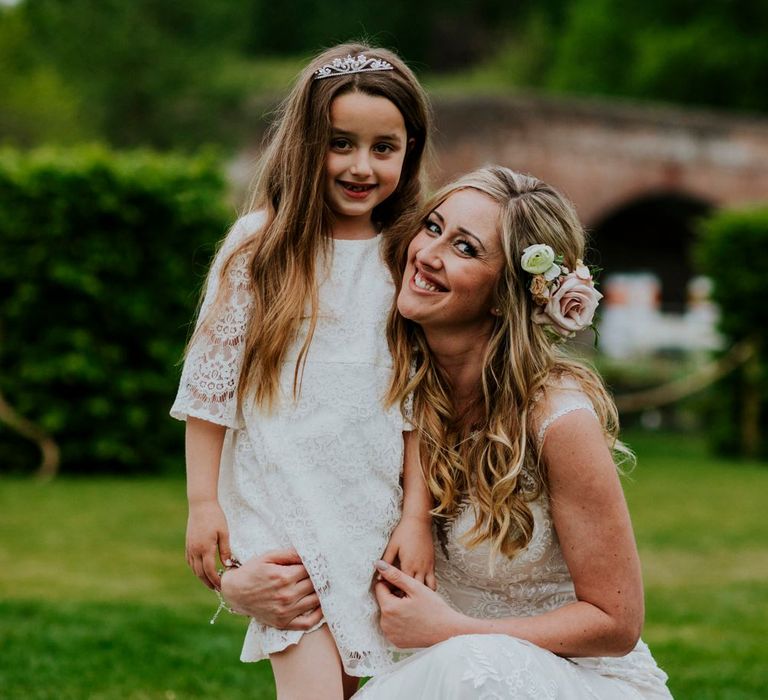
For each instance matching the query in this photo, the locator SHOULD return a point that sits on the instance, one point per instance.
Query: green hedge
(733, 251)
(101, 258)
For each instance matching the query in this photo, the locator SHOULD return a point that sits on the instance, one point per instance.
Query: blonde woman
(540, 592)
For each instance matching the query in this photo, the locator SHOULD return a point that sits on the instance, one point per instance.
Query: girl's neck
(353, 229)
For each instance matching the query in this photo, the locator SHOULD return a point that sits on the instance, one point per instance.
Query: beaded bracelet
(228, 566)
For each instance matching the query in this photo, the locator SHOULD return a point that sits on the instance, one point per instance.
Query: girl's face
(453, 265)
(365, 155)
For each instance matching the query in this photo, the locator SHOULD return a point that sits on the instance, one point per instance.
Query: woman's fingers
(383, 593)
(304, 587)
(307, 604)
(397, 578)
(307, 620)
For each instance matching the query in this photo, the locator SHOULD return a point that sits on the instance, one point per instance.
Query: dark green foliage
(101, 258)
(733, 251)
(711, 53)
(175, 75)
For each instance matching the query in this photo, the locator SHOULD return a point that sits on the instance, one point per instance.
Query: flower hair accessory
(565, 300)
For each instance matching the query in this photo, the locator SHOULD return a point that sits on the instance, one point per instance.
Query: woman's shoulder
(562, 394)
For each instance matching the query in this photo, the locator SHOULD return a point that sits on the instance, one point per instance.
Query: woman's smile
(425, 283)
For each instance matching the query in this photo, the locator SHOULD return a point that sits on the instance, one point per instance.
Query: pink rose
(571, 306)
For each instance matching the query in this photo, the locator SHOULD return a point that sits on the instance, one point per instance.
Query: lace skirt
(321, 476)
(496, 667)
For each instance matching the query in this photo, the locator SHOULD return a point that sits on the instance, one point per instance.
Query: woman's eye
(432, 226)
(466, 248)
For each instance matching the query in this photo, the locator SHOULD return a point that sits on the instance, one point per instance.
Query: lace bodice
(534, 581)
(537, 580)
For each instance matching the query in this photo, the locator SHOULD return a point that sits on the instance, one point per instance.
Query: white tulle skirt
(496, 667)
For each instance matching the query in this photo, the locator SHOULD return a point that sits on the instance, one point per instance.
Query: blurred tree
(708, 53)
(175, 74)
(148, 71)
(37, 104)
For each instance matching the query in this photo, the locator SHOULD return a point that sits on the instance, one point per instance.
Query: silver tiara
(349, 65)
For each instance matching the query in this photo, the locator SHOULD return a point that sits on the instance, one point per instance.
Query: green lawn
(96, 601)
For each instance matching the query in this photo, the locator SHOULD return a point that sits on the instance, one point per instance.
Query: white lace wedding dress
(320, 474)
(496, 667)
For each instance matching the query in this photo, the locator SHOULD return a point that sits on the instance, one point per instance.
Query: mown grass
(96, 601)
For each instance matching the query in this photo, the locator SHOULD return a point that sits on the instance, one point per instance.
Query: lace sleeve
(208, 386)
(557, 401)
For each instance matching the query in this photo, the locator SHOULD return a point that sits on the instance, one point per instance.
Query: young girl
(288, 441)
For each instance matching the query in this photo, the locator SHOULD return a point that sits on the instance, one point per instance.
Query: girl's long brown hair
(494, 463)
(289, 189)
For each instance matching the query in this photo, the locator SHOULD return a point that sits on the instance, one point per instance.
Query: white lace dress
(321, 474)
(496, 667)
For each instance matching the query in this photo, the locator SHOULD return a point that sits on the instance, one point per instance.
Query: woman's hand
(275, 589)
(411, 547)
(207, 531)
(413, 615)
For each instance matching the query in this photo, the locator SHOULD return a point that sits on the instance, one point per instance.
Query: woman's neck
(461, 357)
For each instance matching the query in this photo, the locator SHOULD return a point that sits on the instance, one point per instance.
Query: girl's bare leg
(310, 669)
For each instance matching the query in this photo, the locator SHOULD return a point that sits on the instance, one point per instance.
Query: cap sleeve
(211, 372)
(557, 400)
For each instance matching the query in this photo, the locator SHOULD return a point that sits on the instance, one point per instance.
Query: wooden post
(750, 404)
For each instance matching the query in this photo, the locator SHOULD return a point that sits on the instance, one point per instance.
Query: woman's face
(453, 265)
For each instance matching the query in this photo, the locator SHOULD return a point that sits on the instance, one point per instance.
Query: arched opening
(652, 234)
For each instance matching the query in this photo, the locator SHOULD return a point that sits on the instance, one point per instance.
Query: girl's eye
(340, 144)
(432, 226)
(383, 148)
(466, 248)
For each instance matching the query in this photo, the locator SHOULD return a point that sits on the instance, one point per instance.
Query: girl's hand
(207, 531)
(412, 615)
(411, 546)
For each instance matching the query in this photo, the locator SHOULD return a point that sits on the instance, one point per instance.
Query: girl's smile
(356, 191)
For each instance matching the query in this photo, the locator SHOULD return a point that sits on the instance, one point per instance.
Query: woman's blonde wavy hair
(289, 188)
(494, 463)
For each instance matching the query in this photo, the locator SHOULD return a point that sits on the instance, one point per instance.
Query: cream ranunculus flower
(571, 307)
(537, 258)
(554, 271)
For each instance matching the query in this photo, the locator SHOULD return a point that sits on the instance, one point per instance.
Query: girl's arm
(206, 525)
(593, 526)
(411, 541)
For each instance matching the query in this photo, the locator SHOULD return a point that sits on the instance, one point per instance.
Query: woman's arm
(593, 526)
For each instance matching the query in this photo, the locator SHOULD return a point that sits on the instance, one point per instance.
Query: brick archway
(652, 233)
